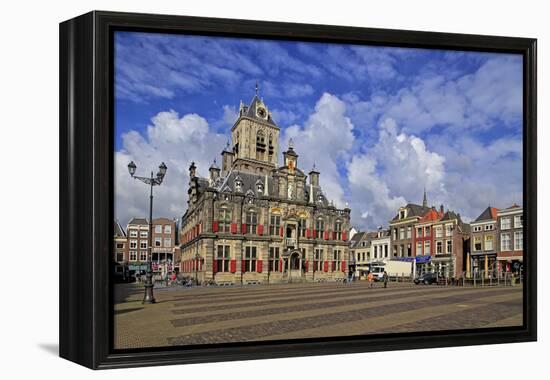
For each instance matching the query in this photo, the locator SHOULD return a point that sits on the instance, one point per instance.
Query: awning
(417, 259)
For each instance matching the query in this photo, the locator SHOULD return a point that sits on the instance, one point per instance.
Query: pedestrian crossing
(294, 311)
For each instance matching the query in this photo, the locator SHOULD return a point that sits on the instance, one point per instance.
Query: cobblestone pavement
(219, 315)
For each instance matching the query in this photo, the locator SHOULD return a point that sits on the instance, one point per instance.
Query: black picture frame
(86, 188)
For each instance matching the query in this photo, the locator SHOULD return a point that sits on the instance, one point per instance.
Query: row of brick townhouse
(437, 240)
(131, 246)
(255, 221)
(496, 242)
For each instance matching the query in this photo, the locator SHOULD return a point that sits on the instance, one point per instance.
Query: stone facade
(253, 221)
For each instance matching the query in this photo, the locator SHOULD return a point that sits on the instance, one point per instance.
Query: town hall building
(255, 220)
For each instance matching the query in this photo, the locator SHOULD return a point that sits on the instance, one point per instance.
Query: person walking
(350, 276)
(370, 278)
(385, 278)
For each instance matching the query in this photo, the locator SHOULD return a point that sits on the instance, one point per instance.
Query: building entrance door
(295, 265)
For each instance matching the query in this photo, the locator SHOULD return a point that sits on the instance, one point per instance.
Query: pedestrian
(350, 276)
(370, 278)
(385, 278)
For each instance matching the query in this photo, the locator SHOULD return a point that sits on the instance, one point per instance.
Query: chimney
(441, 209)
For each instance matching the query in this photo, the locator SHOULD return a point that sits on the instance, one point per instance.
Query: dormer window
(238, 184)
(402, 214)
(259, 187)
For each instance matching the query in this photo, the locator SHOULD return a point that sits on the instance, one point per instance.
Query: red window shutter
(233, 228)
(215, 226)
(326, 235)
(243, 267)
(344, 266)
(243, 228)
(307, 266)
(259, 265)
(233, 265)
(281, 231)
(308, 233)
(326, 266)
(333, 235)
(314, 233)
(260, 229)
(215, 268)
(280, 265)
(344, 237)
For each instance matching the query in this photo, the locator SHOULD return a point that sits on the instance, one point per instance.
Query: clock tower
(255, 138)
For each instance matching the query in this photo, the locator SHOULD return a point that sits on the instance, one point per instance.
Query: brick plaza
(254, 313)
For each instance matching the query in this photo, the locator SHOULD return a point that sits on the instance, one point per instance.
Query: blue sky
(380, 123)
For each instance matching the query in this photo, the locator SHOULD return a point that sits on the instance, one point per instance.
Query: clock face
(261, 112)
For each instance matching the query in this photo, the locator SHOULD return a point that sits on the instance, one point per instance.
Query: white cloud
(325, 140)
(172, 139)
(478, 101)
(393, 172)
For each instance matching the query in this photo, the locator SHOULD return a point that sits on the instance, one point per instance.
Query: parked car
(426, 279)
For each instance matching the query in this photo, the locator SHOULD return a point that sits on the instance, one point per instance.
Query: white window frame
(505, 242)
(492, 240)
(143, 244)
(167, 228)
(133, 244)
(142, 255)
(167, 242)
(518, 221)
(158, 228)
(518, 236)
(158, 240)
(427, 247)
(505, 223)
(133, 254)
(143, 233)
(133, 233)
(419, 248)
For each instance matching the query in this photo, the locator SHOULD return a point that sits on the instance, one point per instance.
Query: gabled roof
(413, 210)
(138, 221)
(450, 215)
(431, 216)
(250, 111)
(363, 237)
(489, 213)
(356, 238)
(119, 231)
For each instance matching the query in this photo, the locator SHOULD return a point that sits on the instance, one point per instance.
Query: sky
(381, 124)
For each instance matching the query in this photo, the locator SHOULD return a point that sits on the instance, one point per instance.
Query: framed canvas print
(238, 189)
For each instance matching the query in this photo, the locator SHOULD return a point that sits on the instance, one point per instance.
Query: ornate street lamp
(151, 181)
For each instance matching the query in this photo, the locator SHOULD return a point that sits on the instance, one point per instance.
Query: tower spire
(425, 200)
(257, 88)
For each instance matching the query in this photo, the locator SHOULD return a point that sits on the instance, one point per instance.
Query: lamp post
(151, 181)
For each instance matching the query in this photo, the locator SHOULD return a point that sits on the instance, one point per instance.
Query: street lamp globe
(132, 168)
